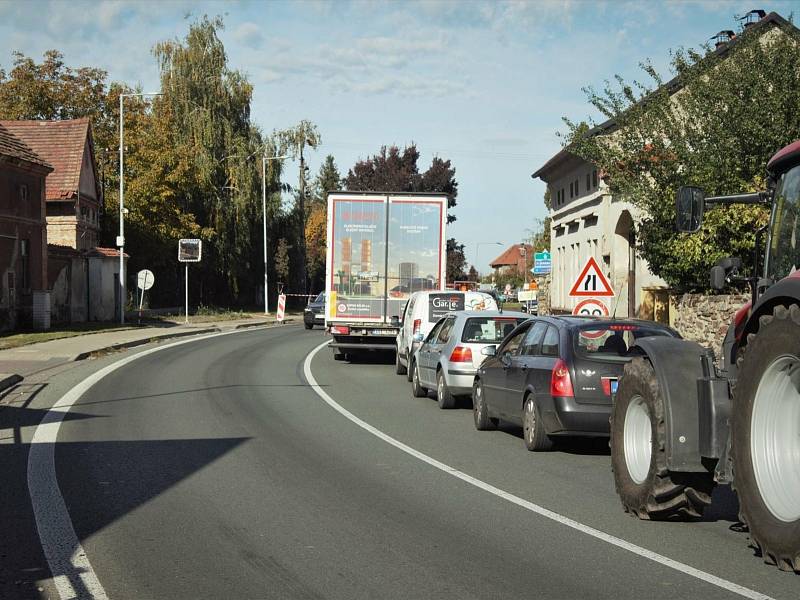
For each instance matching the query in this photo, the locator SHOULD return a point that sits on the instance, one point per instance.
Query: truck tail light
(461, 354)
(340, 330)
(417, 325)
(560, 381)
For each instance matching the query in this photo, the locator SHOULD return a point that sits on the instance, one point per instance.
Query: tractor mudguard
(784, 292)
(678, 365)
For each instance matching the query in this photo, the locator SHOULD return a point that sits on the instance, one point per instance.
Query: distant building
(24, 298)
(513, 261)
(408, 271)
(73, 195)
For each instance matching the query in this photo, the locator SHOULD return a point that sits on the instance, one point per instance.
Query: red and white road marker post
(281, 308)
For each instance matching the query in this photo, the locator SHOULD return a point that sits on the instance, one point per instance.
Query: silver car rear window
(489, 330)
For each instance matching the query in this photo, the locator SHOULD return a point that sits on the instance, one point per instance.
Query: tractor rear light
(560, 381)
(417, 325)
(340, 330)
(461, 354)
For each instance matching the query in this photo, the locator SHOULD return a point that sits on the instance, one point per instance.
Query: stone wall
(705, 319)
(543, 296)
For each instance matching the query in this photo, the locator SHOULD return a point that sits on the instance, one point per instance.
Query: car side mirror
(689, 208)
(489, 350)
(418, 337)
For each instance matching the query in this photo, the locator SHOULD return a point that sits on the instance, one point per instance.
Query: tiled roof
(110, 252)
(61, 143)
(511, 256)
(13, 147)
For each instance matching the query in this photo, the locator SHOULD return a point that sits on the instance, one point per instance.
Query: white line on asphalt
(540, 510)
(72, 572)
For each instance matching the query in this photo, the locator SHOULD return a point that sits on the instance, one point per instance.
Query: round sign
(508, 288)
(591, 307)
(342, 307)
(145, 279)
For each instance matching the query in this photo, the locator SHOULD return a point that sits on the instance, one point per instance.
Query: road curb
(262, 324)
(9, 380)
(143, 341)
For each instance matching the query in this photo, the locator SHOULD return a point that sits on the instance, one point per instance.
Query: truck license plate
(384, 332)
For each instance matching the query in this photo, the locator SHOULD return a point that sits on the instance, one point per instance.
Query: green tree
(456, 261)
(327, 180)
(282, 260)
(716, 126)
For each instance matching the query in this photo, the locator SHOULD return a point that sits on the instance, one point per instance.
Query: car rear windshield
(489, 330)
(612, 340)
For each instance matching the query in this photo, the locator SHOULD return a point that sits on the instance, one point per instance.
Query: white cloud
(249, 34)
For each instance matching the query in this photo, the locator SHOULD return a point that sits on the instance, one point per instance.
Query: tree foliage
(716, 127)
(456, 261)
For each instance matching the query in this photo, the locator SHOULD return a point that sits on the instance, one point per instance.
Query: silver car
(448, 357)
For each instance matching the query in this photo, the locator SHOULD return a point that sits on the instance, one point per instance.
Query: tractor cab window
(784, 247)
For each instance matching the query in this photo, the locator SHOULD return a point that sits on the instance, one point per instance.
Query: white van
(422, 311)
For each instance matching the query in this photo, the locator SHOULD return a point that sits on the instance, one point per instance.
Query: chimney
(753, 17)
(723, 37)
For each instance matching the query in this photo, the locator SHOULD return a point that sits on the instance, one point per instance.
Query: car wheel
(409, 373)
(309, 325)
(443, 395)
(416, 388)
(480, 411)
(536, 438)
(399, 368)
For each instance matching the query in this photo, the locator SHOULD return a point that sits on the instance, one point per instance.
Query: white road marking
(72, 572)
(540, 510)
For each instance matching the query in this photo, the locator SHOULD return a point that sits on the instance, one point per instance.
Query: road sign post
(189, 250)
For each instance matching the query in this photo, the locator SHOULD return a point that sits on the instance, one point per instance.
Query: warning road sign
(591, 281)
(281, 308)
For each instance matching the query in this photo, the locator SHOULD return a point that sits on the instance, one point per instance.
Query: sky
(484, 84)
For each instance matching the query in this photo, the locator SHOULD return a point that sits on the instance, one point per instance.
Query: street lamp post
(264, 159)
(122, 210)
(478, 245)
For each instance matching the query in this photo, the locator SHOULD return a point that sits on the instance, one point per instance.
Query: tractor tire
(480, 412)
(765, 437)
(398, 366)
(646, 487)
(445, 399)
(416, 389)
(534, 434)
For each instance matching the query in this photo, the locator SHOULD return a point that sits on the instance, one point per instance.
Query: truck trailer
(685, 418)
(381, 247)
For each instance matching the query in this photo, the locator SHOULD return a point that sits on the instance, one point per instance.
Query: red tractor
(683, 422)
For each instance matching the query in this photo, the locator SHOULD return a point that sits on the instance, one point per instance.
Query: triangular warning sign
(591, 281)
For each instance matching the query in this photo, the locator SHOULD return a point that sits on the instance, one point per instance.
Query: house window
(588, 187)
(23, 193)
(571, 190)
(25, 250)
(594, 178)
(577, 181)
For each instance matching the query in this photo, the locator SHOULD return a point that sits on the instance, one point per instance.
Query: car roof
(490, 313)
(577, 321)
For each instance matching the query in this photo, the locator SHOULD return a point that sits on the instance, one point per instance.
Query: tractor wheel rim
(775, 438)
(638, 440)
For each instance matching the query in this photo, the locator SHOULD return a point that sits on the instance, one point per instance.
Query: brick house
(73, 196)
(513, 261)
(24, 299)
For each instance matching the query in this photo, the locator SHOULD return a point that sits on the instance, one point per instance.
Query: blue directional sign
(541, 263)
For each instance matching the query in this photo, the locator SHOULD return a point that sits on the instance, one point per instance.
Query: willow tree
(205, 107)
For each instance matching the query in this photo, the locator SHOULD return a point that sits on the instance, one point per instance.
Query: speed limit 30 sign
(593, 307)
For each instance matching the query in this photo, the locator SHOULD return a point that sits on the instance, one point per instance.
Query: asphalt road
(212, 470)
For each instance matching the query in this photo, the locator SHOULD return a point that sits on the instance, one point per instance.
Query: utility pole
(301, 204)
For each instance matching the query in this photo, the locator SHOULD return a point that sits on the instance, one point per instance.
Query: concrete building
(73, 195)
(24, 296)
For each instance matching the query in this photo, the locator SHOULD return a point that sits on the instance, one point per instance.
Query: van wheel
(399, 368)
(416, 389)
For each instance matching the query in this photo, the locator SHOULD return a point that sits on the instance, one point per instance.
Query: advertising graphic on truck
(381, 248)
